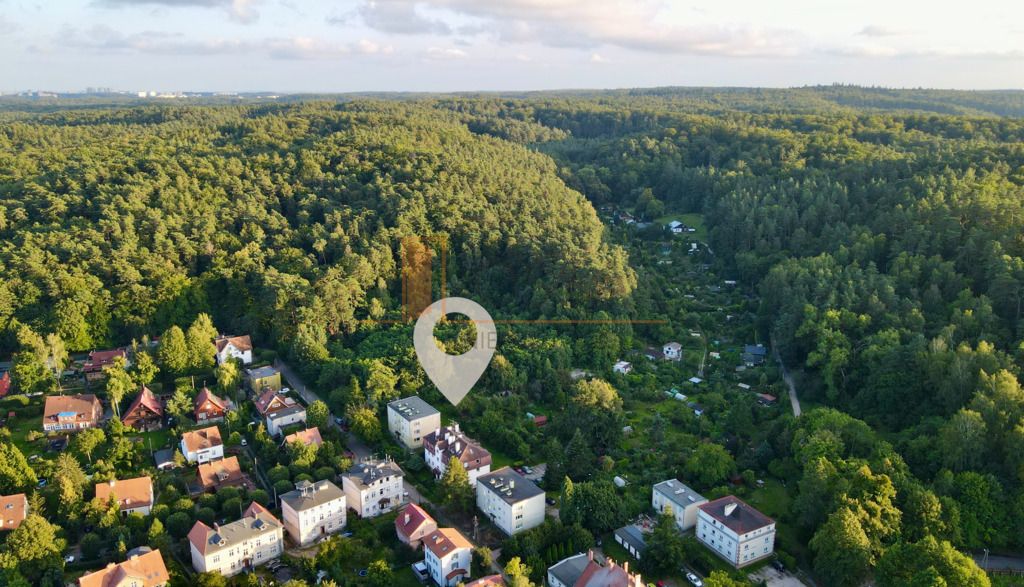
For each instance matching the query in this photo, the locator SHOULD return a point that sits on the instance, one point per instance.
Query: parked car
(778, 566)
(550, 501)
(694, 580)
(527, 470)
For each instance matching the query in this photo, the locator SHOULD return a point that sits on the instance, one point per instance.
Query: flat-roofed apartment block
(410, 419)
(735, 531)
(511, 501)
(684, 502)
(373, 487)
(313, 510)
(256, 539)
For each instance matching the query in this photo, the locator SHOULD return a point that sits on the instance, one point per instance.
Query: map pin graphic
(455, 375)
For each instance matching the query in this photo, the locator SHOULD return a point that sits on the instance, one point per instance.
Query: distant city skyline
(293, 46)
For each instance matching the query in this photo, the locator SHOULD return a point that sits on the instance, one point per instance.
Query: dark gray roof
(633, 536)
(285, 412)
(372, 470)
(509, 485)
(309, 495)
(164, 456)
(679, 493)
(260, 372)
(569, 570)
(412, 407)
(755, 349)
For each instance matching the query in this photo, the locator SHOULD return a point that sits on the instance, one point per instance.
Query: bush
(207, 516)
(230, 507)
(283, 486)
(325, 473)
(178, 524)
(92, 546)
(259, 496)
(279, 473)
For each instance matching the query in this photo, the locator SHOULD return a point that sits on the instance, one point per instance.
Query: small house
(263, 379)
(622, 367)
(672, 351)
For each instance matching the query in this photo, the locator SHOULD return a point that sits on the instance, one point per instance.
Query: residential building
(146, 412)
(309, 436)
(676, 227)
(164, 459)
(223, 473)
(684, 502)
(71, 412)
(754, 355)
(622, 367)
(608, 575)
(672, 351)
(374, 487)
(134, 496)
(233, 347)
(210, 408)
(313, 511)
(13, 510)
(735, 531)
(566, 572)
(631, 538)
(413, 524)
(146, 569)
(279, 411)
(254, 540)
(98, 360)
(410, 418)
(202, 446)
(262, 379)
(511, 501)
(448, 555)
(444, 444)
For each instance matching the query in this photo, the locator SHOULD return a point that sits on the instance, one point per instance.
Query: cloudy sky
(454, 45)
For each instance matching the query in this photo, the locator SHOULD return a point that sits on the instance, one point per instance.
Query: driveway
(774, 578)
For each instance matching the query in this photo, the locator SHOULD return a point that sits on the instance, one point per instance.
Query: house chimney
(511, 484)
(112, 482)
(216, 526)
(625, 568)
(408, 518)
(590, 555)
(458, 447)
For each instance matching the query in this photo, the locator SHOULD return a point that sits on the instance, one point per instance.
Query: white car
(69, 559)
(694, 580)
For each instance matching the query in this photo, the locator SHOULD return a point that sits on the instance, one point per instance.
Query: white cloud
(240, 11)
(446, 53)
(597, 58)
(881, 31)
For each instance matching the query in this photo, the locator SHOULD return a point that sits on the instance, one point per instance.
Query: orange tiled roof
(308, 436)
(197, 440)
(13, 509)
(144, 570)
(444, 541)
(130, 493)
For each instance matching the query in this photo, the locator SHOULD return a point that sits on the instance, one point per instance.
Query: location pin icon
(455, 375)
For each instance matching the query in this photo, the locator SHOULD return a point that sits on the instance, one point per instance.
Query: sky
(505, 45)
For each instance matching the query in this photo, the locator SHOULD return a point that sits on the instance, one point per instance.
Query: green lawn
(692, 219)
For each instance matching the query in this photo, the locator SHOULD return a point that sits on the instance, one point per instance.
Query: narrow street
(793, 399)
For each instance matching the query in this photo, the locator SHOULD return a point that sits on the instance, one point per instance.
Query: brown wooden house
(146, 412)
(210, 408)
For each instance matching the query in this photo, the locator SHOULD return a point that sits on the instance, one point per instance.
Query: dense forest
(880, 229)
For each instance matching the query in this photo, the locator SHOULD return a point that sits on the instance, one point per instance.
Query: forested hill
(115, 223)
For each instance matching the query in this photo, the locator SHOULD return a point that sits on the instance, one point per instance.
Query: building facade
(444, 444)
(68, 413)
(512, 502)
(684, 502)
(410, 419)
(210, 408)
(13, 510)
(413, 524)
(448, 555)
(254, 540)
(374, 487)
(735, 531)
(313, 511)
(233, 347)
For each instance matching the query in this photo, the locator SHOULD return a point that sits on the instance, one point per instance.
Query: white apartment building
(448, 555)
(410, 419)
(373, 487)
(685, 502)
(256, 539)
(444, 444)
(202, 446)
(313, 511)
(735, 531)
(511, 501)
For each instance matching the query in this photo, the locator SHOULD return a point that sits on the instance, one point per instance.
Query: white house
(448, 555)
(444, 444)
(676, 227)
(410, 419)
(673, 351)
(254, 540)
(202, 446)
(278, 420)
(623, 367)
(511, 501)
(313, 511)
(233, 347)
(735, 531)
(685, 502)
(374, 487)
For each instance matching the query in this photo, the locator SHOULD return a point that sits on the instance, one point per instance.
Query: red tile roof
(269, 402)
(242, 343)
(85, 408)
(451, 442)
(445, 541)
(197, 440)
(130, 493)
(307, 437)
(144, 402)
(5, 383)
(223, 473)
(207, 397)
(489, 581)
(143, 570)
(13, 509)
(611, 575)
(411, 519)
(99, 359)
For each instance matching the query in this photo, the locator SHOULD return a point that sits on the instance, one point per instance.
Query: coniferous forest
(877, 237)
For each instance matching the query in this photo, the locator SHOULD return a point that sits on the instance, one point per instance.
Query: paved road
(1000, 563)
(793, 399)
(354, 444)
